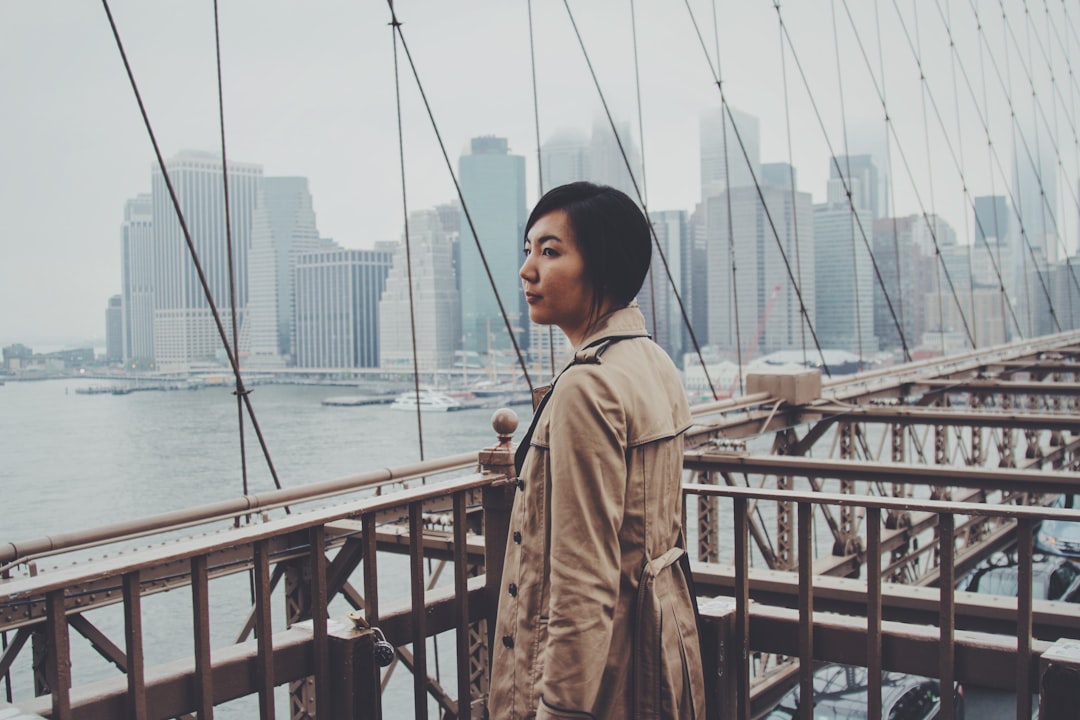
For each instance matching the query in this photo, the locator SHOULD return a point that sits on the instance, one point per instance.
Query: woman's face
(553, 277)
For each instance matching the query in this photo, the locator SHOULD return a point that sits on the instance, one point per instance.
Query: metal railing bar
(419, 636)
(133, 640)
(200, 609)
(806, 610)
(461, 592)
(58, 662)
(264, 632)
(319, 605)
(23, 550)
(947, 614)
(742, 606)
(977, 477)
(371, 570)
(1033, 512)
(873, 610)
(247, 534)
(1024, 548)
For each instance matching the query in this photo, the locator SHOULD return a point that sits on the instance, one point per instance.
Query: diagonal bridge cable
(229, 350)
(240, 390)
(641, 199)
(757, 186)
(461, 197)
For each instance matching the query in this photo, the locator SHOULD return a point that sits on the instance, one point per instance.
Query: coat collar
(622, 323)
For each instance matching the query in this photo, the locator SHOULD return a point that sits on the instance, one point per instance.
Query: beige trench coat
(599, 493)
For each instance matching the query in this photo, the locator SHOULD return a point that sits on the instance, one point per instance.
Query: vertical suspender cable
(644, 184)
(930, 180)
(408, 246)
(461, 197)
(960, 141)
(730, 222)
(229, 351)
(791, 161)
(633, 180)
(539, 160)
(888, 174)
(240, 391)
(851, 199)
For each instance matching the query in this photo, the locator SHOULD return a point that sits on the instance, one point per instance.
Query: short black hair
(612, 233)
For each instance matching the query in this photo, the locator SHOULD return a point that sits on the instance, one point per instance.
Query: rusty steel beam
(1041, 481)
(947, 416)
(1012, 387)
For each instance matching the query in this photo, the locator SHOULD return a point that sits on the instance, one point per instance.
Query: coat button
(508, 641)
(517, 537)
(521, 484)
(513, 590)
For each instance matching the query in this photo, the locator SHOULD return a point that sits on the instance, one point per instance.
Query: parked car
(841, 691)
(1052, 577)
(1058, 537)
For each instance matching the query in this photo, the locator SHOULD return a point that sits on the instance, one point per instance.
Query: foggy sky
(309, 90)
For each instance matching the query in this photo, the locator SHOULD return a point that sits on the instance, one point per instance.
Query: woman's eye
(548, 252)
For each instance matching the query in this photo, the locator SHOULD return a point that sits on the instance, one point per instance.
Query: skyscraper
(723, 162)
(657, 296)
(114, 330)
(869, 187)
(137, 280)
(436, 307)
(493, 185)
(282, 229)
(337, 307)
(184, 329)
(757, 306)
(844, 272)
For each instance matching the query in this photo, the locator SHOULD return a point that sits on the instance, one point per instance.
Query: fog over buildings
(310, 105)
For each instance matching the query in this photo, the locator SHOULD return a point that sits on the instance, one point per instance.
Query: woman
(596, 619)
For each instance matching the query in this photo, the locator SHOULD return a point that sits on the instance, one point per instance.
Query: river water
(71, 461)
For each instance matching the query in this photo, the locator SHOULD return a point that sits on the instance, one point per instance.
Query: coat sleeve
(588, 487)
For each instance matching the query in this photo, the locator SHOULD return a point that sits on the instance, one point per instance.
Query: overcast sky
(309, 90)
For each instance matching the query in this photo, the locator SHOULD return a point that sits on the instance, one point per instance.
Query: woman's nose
(526, 272)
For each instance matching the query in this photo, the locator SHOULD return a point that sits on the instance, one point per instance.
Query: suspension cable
(461, 197)
(791, 161)
(843, 180)
(539, 159)
(851, 202)
(730, 221)
(229, 351)
(408, 245)
(644, 176)
(240, 390)
(637, 191)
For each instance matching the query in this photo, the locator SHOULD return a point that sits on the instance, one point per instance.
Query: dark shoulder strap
(526, 440)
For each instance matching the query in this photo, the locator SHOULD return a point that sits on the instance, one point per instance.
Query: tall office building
(869, 187)
(757, 306)
(137, 280)
(435, 308)
(114, 330)
(907, 265)
(990, 256)
(337, 307)
(282, 229)
(564, 158)
(493, 185)
(184, 328)
(607, 164)
(843, 271)
(657, 297)
(723, 160)
(1035, 198)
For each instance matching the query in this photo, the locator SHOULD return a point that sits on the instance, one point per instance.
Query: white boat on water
(430, 400)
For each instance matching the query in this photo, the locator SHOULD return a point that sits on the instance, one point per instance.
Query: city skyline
(75, 135)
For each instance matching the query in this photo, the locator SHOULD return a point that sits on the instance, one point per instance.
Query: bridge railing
(328, 658)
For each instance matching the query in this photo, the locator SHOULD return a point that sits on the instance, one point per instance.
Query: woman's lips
(532, 298)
